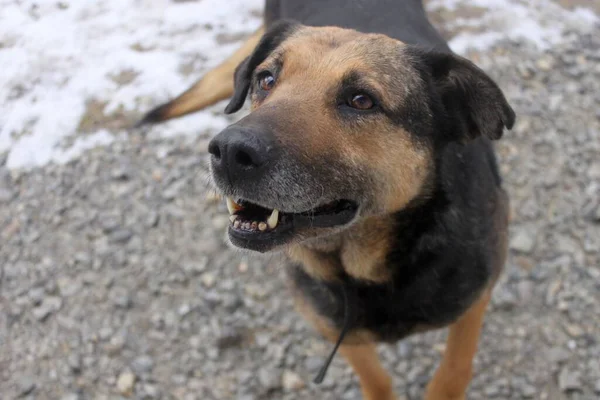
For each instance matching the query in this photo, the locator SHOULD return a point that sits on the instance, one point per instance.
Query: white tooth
(231, 206)
(233, 218)
(262, 226)
(273, 219)
(236, 224)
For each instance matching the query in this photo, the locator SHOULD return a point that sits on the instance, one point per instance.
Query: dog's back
(404, 20)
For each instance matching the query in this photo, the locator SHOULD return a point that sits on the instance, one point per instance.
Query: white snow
(539, 21)
(61, 57)
(57, 55)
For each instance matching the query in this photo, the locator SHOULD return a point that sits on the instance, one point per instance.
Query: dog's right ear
(272, 38)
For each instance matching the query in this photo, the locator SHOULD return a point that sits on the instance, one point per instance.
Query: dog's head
(344, 125)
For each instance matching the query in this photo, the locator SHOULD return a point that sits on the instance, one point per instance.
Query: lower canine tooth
(262, 226)
(273, 219)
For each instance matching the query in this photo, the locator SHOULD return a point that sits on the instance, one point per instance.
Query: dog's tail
(215, 86)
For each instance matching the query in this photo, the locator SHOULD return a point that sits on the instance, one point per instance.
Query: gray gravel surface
(115, 280)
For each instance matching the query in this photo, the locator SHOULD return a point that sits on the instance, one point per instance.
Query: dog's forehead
(338, 50)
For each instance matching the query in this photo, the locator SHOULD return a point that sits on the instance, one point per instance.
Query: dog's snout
(239, 153)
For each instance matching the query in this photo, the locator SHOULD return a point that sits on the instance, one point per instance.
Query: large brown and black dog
(367, 158)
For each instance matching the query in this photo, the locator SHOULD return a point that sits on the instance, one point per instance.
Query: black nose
(239, 152)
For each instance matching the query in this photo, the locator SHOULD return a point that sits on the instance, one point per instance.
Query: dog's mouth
(259, 228)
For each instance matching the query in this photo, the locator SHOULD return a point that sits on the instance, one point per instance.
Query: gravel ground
(115, 280)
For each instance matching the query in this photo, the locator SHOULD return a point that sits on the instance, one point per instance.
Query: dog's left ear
(471, 99)
(276, 34)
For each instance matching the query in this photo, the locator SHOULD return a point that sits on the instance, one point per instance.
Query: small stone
(196, 267)
(142, 364)
(243, 267)
(67, 286)
(208, 279)
(269, 378)
(291, 381)
(230, 338)
(49, 305)
(525, 289)
(36, 295)
(544, 64)
(313, 363)
(152, 219)
(557, 355)
(184, 310)
(71, 396)
(121, 298)
(523, 242)
(125, 383)
(220, 222)
(569, 380)
(74, 362)
(26, 385)
(574, 330)
(120, 236)
(528, 391)
(116, 344)
(121, 173)
(6, 195)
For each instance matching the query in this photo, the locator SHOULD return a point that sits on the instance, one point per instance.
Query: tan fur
(215, 86)
(316, 60)
(452, 377)
(375, 382)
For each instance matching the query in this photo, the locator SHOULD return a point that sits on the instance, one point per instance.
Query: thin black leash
(321, 375)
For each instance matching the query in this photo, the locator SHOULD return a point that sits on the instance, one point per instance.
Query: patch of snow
(56, 56)
(542, 22)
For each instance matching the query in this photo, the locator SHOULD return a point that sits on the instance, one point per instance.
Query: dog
(367, 158)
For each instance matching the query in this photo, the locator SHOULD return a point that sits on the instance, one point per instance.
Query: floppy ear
(473, 102)
(272, 38)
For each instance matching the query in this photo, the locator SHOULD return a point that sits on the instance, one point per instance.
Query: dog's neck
(359, 252)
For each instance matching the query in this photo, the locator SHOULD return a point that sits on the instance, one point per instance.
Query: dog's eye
(266, 81)
(361, 101)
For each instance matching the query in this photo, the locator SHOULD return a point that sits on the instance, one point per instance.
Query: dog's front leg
(375, 382)
(452, 378)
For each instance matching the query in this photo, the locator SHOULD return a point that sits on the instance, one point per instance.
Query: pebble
(74, 361)
(558, 355)
(26, 385)
(523, 242)
(50, 304)
(6, 195)
(125, 383)
(291, 381)
(121, 298)
(120, 236)
(142, 364)
(71, 396)
(36, 295)
(208, 279)
(269, 378)
(569, 380)
(230, 338)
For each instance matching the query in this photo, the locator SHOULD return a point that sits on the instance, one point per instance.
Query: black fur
(276, 34)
